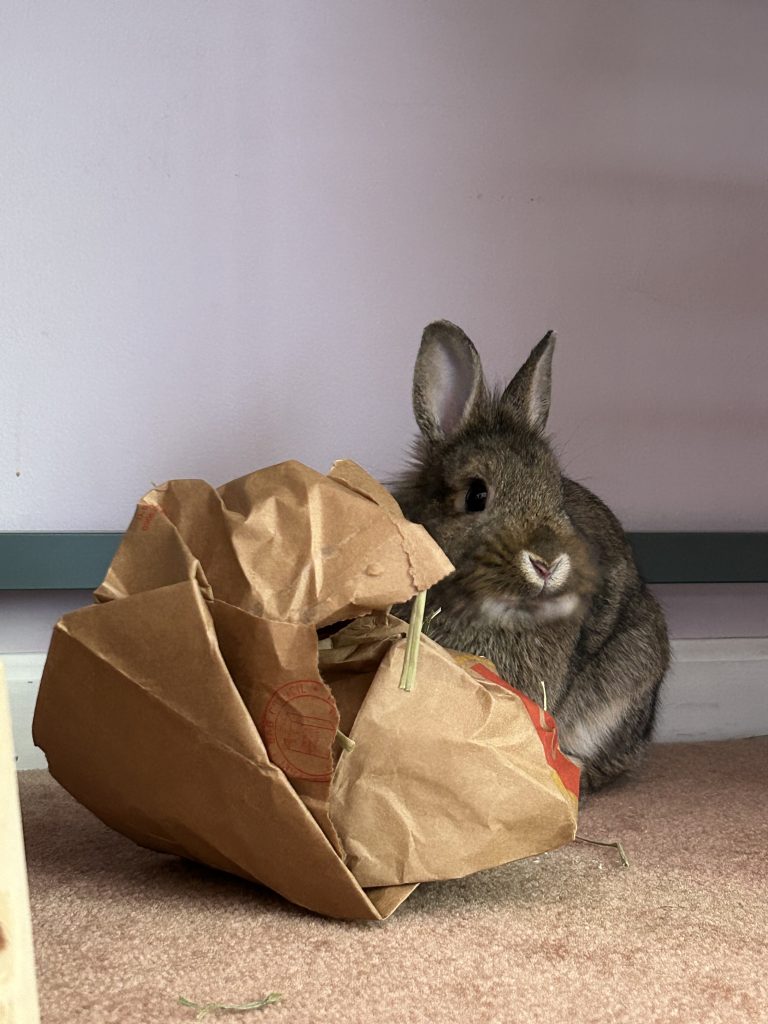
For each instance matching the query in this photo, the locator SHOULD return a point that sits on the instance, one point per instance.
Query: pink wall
(226, 224)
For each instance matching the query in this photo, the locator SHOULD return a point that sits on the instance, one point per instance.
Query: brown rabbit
(545, 582)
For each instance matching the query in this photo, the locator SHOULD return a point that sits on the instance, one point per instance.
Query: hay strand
(413, 636)
(613, 842)
(204, 1009)
(345, 742)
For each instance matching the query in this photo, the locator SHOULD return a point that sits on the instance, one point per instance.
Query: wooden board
(18, 987)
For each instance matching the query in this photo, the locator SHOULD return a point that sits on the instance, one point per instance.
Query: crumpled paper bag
(201, 709)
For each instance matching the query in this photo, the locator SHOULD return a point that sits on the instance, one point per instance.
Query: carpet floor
(571, 936)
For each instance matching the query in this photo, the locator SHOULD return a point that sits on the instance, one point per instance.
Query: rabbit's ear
(447, 382)
(528, 393)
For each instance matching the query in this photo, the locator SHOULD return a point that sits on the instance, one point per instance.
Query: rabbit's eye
(476, 496)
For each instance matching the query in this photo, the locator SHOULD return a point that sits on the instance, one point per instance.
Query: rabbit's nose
(545, 573)
(543, 569)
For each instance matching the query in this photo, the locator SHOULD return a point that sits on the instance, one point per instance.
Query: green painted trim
(78, 561)
(55, 561)
(701, 557)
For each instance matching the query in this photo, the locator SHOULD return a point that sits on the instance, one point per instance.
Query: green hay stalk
(615, 843)
(204, 1009)
(412, 642)
(344, 741)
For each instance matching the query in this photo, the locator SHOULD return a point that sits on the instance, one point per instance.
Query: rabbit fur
(545, 583)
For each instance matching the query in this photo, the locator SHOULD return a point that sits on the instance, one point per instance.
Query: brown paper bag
(460, 774)
(195, 711)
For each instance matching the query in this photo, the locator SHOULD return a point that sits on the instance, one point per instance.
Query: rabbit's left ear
(528, 394)
(447, 381)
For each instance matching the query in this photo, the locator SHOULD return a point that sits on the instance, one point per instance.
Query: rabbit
(545, 584)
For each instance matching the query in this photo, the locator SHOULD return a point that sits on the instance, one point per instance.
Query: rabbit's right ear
(447, 381)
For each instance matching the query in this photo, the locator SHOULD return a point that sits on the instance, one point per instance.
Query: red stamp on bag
(145, 516)
(299, 727)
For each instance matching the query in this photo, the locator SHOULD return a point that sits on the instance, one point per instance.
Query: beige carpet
(682, 935)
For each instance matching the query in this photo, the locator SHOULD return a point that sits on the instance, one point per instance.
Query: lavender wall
(223, 226)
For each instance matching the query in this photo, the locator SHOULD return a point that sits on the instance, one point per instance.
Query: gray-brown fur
(585, 624)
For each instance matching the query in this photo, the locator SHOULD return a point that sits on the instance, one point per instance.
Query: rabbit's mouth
(543, 607)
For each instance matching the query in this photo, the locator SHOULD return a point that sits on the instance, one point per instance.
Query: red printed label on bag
(299, 727)
(546, 730)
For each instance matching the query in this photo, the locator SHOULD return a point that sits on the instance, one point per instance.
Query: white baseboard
(22, 677)
(716, 689)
